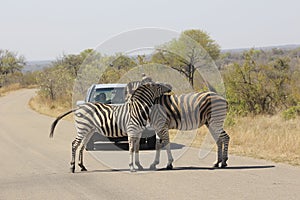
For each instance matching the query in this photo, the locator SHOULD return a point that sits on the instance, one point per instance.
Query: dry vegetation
(49, 108)
(264, 137)
(9, 88)
(267, 137)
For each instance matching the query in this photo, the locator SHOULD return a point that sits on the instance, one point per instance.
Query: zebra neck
(144, 102)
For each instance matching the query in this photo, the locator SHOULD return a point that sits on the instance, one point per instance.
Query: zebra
(128, 119)
(189, 112)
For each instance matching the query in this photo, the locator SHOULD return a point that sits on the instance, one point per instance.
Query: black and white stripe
(189, 112)
(114, 121)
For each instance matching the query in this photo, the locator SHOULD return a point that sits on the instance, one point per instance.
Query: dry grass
(264, 137)
(6, 89)
(52, 109)
(13, 87)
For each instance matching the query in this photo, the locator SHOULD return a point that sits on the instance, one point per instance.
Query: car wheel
(151, 142)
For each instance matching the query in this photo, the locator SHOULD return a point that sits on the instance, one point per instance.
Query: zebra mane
(140, 88)
(130, 88)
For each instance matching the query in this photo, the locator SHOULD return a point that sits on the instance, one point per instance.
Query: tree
(57, 82)
(203, 38)
(118, 66)
(10, 65)
(192, 50)
(256, 87)
(73, 62)
(56, 87)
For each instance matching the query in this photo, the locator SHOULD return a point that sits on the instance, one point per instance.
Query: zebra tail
(57, 119)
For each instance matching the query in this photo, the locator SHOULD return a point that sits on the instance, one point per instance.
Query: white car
(114, 94)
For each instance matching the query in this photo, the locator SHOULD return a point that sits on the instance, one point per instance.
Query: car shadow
(123, 146)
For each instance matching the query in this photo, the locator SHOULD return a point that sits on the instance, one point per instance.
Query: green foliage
(118, 66)
(73, 62)
(230, 120)
(56, 82)
(257, 81)
(203, 38)
(192, 50)
(291, 112)
(256, 87)
(10, 67)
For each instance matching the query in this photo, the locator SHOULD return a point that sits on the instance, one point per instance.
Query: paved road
(36, 167)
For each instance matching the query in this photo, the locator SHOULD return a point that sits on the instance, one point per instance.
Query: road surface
(36, 167)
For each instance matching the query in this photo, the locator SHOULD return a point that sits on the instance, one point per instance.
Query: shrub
(291, 113)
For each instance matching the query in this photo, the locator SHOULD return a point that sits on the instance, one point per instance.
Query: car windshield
(109, 95)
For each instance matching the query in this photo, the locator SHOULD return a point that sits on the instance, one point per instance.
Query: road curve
(36, 167)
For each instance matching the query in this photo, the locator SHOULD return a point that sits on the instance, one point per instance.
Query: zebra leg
(219, 152)
(80, 163)
(85, 140)
(219, 135)
(136, 151)
(131, 150)
(158, 147)
(75, 145)
(225, 140)
(170, 157)
(164, 135)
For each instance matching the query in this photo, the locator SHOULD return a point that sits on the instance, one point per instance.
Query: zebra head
(133, 85)
(148, 92)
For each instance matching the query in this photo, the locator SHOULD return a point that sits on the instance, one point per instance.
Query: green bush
(256, 86)
(291, 113)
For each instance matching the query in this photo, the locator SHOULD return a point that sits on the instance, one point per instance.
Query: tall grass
(48, 107)
(6, 89)
(265, 137)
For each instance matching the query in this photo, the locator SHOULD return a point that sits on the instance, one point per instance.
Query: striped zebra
(128, 119)
(189, 112)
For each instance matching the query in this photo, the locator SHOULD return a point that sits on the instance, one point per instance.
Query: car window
(109, 95)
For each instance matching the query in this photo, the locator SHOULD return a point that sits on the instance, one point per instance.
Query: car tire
(151, 142)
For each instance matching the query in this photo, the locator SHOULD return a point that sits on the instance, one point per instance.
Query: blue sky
(42, 30)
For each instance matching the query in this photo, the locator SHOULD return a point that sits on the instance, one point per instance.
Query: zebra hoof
(224, 165)
(169, 167)
(132, 170)
(216, 165)
(140, 167)
(152, 167)
(72, 169)
(82, 167)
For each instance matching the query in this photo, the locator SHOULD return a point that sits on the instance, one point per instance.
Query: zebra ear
(166, 88)
(169, 86)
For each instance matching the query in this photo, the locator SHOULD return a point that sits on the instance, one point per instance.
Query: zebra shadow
(190, 168)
